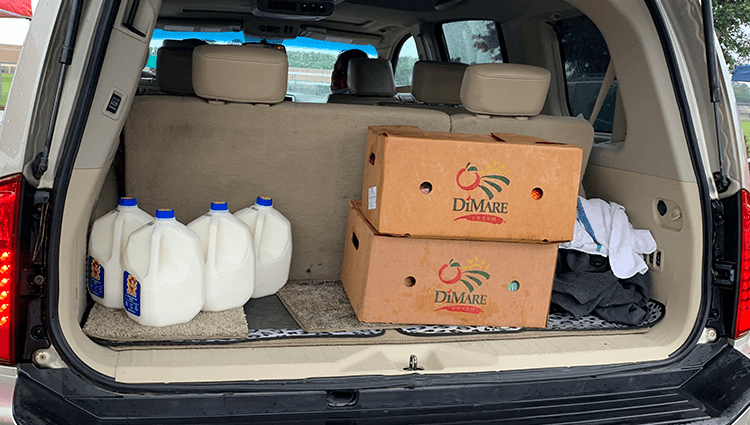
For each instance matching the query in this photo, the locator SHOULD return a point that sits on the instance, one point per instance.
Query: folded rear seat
(240, 141)
(507, 98)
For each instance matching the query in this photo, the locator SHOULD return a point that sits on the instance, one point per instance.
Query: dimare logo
(485, 208)
(473, 275)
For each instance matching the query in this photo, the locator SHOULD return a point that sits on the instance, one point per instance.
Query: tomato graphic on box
(488, 182)
(451, 263)
(473, 274)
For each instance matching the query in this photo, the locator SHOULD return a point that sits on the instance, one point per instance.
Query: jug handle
(259, 225)
(116, 240)
(213, 230)
(153, 264)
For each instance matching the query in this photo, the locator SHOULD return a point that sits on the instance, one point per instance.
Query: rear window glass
(586, 59)
(310, 66)
(310, 61)
(407, 57)
(209, 37)
(473, 42)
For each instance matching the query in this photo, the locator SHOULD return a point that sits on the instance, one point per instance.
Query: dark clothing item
(584, 284)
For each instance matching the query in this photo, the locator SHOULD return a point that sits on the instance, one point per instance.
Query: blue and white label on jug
(131, 294)
(96, 277)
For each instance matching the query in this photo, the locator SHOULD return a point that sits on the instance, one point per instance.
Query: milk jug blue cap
(219, 206)
(165, 213)
(264, 201)
(127, 202)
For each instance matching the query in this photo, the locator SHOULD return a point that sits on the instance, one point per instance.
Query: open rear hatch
(276, 349)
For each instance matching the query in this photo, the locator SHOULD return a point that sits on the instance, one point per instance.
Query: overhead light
(447, 4)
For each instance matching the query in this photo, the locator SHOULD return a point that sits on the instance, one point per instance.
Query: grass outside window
(7, 78)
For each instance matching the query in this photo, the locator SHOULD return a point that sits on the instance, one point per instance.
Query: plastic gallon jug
(109, 235)
(272, 234)
(230, 258)
(163, 278)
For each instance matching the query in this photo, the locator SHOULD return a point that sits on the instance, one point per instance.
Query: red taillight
(10, 201)
(742, 323)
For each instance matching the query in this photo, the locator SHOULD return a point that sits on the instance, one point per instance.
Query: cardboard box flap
(399, 132)
(531, 140)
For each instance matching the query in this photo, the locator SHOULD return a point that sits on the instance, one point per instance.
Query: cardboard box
(393, 279)
(461, 186)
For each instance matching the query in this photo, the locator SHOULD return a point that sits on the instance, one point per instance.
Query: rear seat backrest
(174, 66)
(370, 80)
(184, 152)
(507, 98)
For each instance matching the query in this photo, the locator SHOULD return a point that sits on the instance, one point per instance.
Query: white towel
(602, 228)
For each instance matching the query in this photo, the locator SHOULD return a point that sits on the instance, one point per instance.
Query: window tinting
(473, 42)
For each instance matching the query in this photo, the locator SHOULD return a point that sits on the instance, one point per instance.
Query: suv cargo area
(176, 138)
(183, 151)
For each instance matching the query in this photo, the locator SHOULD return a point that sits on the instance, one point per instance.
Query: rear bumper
(8, 378)
(711, 383)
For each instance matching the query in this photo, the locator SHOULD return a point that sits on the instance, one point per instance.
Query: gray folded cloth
(584, 284)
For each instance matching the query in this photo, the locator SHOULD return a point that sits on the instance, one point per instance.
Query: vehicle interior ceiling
(383, 23)
(389, 22)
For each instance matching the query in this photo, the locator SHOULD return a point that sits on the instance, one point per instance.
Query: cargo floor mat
(557, 321)
(272, 322)
(114, 324)
(261, 320)
(324, 306)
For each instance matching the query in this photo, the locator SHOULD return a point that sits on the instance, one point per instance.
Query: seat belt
(609, 78)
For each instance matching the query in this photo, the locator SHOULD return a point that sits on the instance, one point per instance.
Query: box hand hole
(372, 158)
(513, 286)
(355, 241)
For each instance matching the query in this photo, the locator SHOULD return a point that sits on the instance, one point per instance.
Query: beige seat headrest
(437, 82)
(243, 74)
(370, 77)
(174, 66)
(506, 89)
